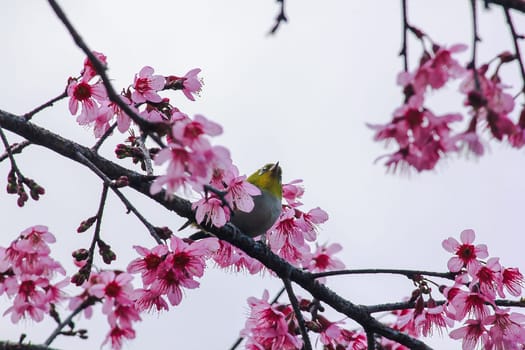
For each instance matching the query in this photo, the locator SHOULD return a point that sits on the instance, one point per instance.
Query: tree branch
(229, 233)
(411, 274)
(518, 5)
(307, 345)
(517, 53)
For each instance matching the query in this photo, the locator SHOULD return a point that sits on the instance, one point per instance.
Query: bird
(267, 205)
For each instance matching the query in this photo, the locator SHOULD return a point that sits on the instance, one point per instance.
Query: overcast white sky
(303, 98)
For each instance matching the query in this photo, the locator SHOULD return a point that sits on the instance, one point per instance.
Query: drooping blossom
(474, 333)
(229, 256)
(88, 71)
(512, 280)
(268, 326)
(487, 277)
(190, 83)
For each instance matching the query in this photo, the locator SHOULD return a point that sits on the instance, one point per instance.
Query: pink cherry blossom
(212, 211)
(466, 253)
(487, 277)
(323, 260)
(114, 288)
(123, 120)
(229, 256)
(512, 280)
(150, 262)
(147, 299)
(239, 193)
(508, 329)
(292, 192)
(146, 86)
(432, 318)
(267, 326)
(192, 84)
(192, 133)
(440, 68)
(165, 272)
(88, 96)
(88, 72)
(471, 303)
(117, 335)
(473, 333)
(189, 83)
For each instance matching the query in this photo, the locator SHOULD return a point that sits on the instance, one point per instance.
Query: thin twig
(475, 40)
(103, 138)
(411, 305)
(404, 47)
(515, 37)
(370, 340)
(300, 320)
(147, 157)
(145, 125)
(49, 103)
(96, 234)
(281, 17)
(85, 304)
(412, 274)
(14, 149)
(10, 155)
(518, 5)
(121, 196)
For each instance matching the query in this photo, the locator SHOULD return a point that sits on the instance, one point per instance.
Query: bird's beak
(274, 168)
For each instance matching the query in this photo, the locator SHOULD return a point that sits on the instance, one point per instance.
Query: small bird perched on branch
(267, 205)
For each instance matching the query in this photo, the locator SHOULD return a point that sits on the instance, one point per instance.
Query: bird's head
(268, 178)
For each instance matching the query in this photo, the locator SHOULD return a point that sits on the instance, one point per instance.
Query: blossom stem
(404, 47)
(81, 158)
(49, 103)
(104, 137)
(9, 152)
(96, 235)
(85, 304)
(147, 157)
(300, 320)
(411, 274)
(281, 17)
(515, 37)
(15, 148)
(475, 40)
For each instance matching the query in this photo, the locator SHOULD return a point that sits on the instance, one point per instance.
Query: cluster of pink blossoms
(142, 97)
(26, 274)
(422, 137)
(165, 272)
(270, 326)
(115, 291)
(274, 326)
(471, 300)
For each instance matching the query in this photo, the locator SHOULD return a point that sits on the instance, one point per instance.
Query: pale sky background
(303, 98)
